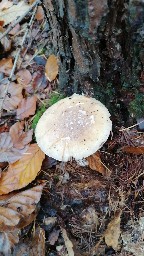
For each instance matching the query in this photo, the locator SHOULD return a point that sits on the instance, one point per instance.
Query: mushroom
(74, 127)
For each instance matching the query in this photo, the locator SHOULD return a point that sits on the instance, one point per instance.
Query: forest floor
(50, 208)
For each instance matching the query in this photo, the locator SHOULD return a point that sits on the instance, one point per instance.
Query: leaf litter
(23, 171)
(9, 153)
(88, 209)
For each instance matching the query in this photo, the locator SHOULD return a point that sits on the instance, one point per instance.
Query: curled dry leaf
(27, 107)
(8, 153)
(18, 207)
(22, 172)
(13, 12)
(95, 163)
(34, 246)
(112, 232)
(20, 138)
(13, 96)
(6, 66)
(68, 243)
(8, 240)
(24, 77)
(51, 68)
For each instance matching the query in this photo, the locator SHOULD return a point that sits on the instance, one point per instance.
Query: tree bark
(92, 40)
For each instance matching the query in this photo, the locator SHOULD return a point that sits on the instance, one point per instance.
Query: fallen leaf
(90, 219)
(4, 4)
(4, 128)
(39, 81)
(1, 24)
(26, 221)
(15, 30)
(18, 206)
(133, 237)
(39, 13)
(50, 221)
(8, 153)
(6, 66)
(13, 12)
(8, 240)
(12, 98)
(51, 68)
(96, 164)
(112, 232)
(27, 107)
(32, 246)
(20, 138)
(22, 172)
(24, 77)
(6, 43)
(133, 150)
(61, 250)
(68, 243)
(53, 237)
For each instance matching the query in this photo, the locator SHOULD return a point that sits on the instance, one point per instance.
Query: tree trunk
(92, 40)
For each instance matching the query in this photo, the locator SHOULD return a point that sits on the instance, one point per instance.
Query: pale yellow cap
(74, 127)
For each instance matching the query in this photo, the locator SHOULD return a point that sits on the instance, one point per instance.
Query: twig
(131, 126)
(109, 171)
(16, 58)
(19, 19)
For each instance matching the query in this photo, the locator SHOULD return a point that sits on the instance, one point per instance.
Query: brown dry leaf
(51, 68)
(68, 243)
(8, 153)
(8, 240)
(15, 30)
(96, 164)
(112, 232)
(39, 13)
(5, 4)
(18, 206)
(13, 12)
(39, 82)
(24, 77)
(6, 43)
(26, 221)
(13, 96)
(133, 150)
(27, 107)
(6, 66)
(20, 138)
(1, 24)
(35, 246)
(22, 172)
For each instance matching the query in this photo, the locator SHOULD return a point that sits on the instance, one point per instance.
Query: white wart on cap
(74, 127)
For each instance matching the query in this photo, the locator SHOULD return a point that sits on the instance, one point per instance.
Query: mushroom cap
(74, 127)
